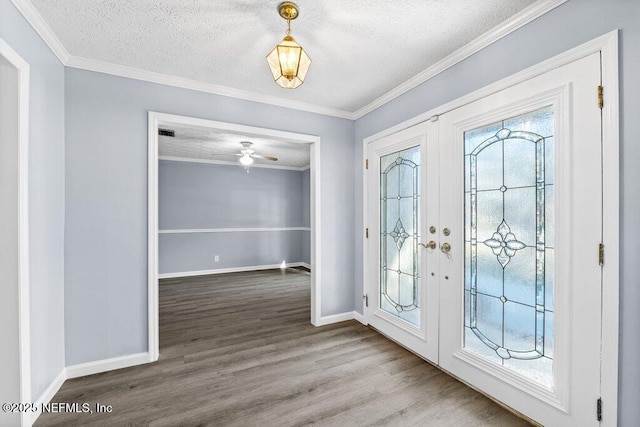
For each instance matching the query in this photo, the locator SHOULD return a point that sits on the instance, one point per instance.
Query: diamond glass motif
(399, 234)
(504, 244)
(508, 243)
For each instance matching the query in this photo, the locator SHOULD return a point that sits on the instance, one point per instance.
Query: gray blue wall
(568, 26)
(46, 196)
(106, 202)
(211, 196)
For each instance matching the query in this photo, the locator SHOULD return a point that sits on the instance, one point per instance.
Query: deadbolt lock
(432, 230)
(446, 231)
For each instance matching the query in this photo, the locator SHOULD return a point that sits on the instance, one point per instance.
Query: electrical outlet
(216, 258)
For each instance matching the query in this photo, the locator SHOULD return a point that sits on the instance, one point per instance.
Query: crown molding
(169, 80)
(31, 14)
(517, 21)
(33, 17)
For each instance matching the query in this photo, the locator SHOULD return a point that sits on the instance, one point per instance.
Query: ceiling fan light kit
(288, 61)
(247, 154)
(246, 159)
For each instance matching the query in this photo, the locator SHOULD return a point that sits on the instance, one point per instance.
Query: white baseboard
(228, 270)
(48, 394)
(98, 366)
(335, 318)
(342, 317)
(360, 318)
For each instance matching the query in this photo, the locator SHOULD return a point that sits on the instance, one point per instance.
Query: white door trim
(611, 229)
(316, 270)
(607, 45)
(23, 233)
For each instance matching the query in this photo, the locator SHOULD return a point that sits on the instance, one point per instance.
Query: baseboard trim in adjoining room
(230, 270)
(98, 366)
(48, 394)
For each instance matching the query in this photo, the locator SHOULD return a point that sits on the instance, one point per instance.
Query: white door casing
(15, 386)
(155, 119)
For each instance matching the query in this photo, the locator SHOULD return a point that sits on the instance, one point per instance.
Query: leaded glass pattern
(399, 234)
(509, 243)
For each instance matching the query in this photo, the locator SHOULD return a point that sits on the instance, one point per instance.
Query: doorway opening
(228, 206)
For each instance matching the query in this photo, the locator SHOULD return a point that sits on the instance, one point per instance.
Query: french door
(506, 292)
(403, 181)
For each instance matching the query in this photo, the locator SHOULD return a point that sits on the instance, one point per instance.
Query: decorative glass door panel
(400, 234)
(521, 194)
(509, 243)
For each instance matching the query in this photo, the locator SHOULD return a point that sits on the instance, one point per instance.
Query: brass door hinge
(599, 409)
(365, 298)
(366, 163)
(600, 97)
(601, 254)
(367, 233)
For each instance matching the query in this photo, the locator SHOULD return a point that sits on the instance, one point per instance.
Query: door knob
(430, 245)
(446, 248)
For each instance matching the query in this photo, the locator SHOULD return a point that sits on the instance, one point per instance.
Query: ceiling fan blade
(260, 156)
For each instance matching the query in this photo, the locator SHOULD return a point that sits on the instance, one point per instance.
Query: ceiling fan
(247, 154)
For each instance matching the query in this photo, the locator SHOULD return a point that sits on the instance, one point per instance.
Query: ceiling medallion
(288, 61)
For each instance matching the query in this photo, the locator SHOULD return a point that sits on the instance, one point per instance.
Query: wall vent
(167, 132)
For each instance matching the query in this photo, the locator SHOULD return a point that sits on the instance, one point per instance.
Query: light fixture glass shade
(289, 63)
(246, 160)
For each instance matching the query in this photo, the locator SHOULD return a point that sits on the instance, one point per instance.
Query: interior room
(319, 212)
(218, 214)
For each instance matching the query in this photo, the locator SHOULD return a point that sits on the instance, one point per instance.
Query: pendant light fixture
(288, 61)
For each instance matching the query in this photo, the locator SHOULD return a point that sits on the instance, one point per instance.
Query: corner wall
(571, 24)
(46, 197)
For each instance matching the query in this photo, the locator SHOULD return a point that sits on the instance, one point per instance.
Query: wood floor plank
(238, 350)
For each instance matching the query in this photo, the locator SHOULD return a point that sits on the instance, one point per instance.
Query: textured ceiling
(360, 49)
(210, 144)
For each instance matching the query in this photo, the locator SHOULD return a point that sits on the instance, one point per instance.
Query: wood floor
(238, 350)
